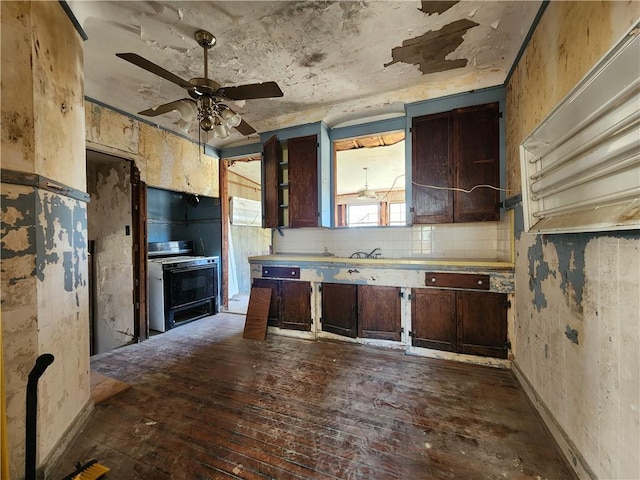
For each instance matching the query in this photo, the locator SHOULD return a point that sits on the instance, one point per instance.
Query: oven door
(187, 285)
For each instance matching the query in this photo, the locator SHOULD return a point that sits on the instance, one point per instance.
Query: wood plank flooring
(207, 404)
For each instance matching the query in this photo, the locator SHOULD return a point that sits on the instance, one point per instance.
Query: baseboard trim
(574, 459)
(78, 424)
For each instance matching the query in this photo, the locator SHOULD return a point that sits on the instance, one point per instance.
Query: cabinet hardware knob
(479, 282)
(293, 273)
(266, 271)
(433, 280)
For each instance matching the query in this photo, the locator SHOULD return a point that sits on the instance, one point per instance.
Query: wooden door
(340, 309)
(476, 162)
(379, 312)
(139, 221)
(431, 165)
(274, 306)
(482, 323)
(295, 305)
(433, 319)
(271, 158)
(303, 181)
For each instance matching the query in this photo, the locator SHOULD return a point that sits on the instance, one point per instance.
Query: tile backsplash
(482, 240)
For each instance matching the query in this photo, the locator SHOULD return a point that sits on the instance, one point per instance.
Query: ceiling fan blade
(245, 129)
(250, 91)
(165, 108)
(153, 68)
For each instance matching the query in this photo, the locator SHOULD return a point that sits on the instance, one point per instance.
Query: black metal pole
(42, 362)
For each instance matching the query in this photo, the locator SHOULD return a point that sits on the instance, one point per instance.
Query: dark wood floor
(207, 404)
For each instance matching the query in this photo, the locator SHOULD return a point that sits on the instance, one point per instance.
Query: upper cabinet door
(456, 150)
(431, 165)
(271, 158)
(476, 162)
(303, 181)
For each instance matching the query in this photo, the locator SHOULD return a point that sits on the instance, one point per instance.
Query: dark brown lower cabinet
(340, 309)
(433, 319)
(290, 306)
(460, 321)
(379, 312)
(365, 311)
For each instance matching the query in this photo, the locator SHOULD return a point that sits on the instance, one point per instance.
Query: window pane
(363, 215)
(397, 214)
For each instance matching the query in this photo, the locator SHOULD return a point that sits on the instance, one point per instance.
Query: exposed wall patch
(429, 51)
(571, 334)
(436, 7)
(539, 271)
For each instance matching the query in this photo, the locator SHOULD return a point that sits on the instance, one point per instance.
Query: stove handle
(190, 269)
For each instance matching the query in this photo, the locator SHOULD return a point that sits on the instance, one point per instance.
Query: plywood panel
(255, 326)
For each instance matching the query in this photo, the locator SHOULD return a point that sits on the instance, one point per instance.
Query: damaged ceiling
(337, 62)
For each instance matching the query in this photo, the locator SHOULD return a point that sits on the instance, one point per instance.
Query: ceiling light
(365, 193)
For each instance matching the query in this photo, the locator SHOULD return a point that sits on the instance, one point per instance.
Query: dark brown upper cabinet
(290, 183)
(272, 213)
(303, 181)
(457, 149)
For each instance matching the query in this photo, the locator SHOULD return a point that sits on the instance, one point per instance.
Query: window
(363, 215)
(370, 176)
(397, 213)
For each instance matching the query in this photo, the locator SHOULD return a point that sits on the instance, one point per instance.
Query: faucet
(375, 253)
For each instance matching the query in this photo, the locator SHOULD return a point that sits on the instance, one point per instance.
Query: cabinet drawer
(457, 280)
(280, 272)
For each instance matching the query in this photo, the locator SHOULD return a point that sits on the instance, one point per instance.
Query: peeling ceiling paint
(334, 61)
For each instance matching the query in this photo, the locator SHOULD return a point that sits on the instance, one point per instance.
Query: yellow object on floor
(89, 471)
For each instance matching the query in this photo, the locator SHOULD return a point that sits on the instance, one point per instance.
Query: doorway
(245, 236)
(116, 217)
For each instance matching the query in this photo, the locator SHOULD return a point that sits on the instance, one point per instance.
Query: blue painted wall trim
(371, 128)
(67, 9)
(293, 132)
(241, 150)
(326, 178)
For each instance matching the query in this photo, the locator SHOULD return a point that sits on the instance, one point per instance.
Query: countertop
(409, 262)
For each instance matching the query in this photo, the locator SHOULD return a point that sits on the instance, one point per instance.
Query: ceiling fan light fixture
(231, 118)
(221, 130)
(188, 110)
(207, 123)
(184, 126)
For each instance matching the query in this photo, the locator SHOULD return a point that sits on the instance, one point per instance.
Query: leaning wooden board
(255, 326)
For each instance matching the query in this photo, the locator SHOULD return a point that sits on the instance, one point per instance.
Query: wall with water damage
(109, 219)
(164, 159)
(44, 221)
(577, 310)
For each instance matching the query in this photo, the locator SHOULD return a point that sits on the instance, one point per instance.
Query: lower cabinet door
(379, 312)
(433, 319)
(339, 309)
(274, 306)
(482, 319)
(295, 305)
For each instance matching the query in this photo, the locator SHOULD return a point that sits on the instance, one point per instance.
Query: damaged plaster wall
(109, 215)
(44, 256)
(164, 160)
(577, 320)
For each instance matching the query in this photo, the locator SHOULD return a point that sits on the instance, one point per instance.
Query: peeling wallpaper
(44, 275)
(164, 160)
(577, 326)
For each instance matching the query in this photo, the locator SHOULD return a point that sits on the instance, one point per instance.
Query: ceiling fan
(207, 96)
